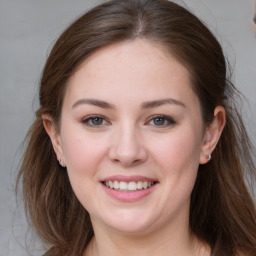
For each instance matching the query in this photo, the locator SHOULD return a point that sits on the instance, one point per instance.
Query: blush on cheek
(180, 158)
(80, 161)
(178, 148)
(83, 154)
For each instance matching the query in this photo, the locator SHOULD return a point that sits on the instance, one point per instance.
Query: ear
(212, 134)
(52, 131)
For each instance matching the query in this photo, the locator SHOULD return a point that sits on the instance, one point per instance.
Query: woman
(137, 147)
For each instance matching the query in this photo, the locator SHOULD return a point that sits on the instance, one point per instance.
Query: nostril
(128, 162)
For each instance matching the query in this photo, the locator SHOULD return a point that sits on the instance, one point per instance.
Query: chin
(129, 221)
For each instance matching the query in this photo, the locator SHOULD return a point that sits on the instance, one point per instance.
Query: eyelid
(170, 120)
(90, 117)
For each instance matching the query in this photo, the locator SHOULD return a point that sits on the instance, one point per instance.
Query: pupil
(159, 121)
(97, 121)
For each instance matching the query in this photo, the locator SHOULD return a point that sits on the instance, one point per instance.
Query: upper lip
(127, 178)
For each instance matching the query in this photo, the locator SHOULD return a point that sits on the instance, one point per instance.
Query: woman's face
(131, 121)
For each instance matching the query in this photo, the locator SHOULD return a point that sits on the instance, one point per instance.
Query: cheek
(82, 152)
(178, 159)
(178, 150)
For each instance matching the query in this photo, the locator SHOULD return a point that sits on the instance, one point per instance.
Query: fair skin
(130, 118)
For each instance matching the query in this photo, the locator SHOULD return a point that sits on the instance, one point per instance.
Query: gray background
(28, 29)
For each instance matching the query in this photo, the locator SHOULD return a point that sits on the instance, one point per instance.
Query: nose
(127, 148)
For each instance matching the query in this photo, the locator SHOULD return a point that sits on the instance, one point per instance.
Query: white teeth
(132, 185)
(111, 184)
(123, 185)
(145, 184)
(116, 185)
(128, 186)
(139, 185)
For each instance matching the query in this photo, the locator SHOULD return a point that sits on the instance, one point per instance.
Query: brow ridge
(144, 105)
(157, 103)
(95, 102)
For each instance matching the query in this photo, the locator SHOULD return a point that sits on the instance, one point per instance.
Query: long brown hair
(222, 212)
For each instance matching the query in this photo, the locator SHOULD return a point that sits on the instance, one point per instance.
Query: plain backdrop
(28, 29)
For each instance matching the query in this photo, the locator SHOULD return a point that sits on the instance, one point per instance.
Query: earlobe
(212, 134)
(52, 131)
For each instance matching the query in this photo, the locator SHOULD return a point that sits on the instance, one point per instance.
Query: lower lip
(128, 196)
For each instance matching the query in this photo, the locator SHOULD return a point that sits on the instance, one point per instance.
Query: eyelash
(168, 121)
(89, 119)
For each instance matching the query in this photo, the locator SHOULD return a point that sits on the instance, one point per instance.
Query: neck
(161, 242)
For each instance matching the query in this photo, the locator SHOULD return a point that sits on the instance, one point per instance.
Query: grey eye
(159, 121)
(94, 121)
(97, 121)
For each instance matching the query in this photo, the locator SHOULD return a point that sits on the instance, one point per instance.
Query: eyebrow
(157, 103)
(98, 103)
(144, 105)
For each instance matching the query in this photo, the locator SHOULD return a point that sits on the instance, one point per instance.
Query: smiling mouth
(129, 186)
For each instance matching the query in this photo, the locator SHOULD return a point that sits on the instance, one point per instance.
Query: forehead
(127, 53)
(130, 68)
